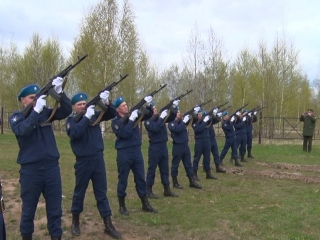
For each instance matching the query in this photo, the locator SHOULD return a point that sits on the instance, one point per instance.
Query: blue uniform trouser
(202, 147)
(131, 159)
(230, 143)
(249, 137)
(158, 156)
(241, 143)
(181, 152)
(2, 228)
(34, 181)
(215, 151)
(91, 169)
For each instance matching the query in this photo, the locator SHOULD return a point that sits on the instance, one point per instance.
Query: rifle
(239, 109)
(169, 105)
(256, 109)
(139, 106)
(96, 101)
(210, 113)
(225, 109)
(48, 89)
(190, 112)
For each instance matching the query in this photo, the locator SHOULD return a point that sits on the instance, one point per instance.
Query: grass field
(274, 196)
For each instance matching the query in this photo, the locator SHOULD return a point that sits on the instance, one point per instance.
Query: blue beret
(203, 113)
(28, 90)
(225, 113)
(81, 96)
(245, 110)
(118, 101)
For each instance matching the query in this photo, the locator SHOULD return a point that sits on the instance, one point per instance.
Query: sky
(165, 26)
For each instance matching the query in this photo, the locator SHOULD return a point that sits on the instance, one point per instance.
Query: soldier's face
(122, 109)
(155, 110)
(27, 99)
(79, 106)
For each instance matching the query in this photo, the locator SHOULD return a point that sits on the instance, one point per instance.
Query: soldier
(181, 150)
(39, 158)
(228, 129)
(2, 223)
(129, 155)
(87, 145)
(309, 122)
(202, 144)
(158, 150)
(241, 133)
(213, 142)
(251, 118)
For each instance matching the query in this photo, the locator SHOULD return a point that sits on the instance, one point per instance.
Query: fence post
(1, 120)
(260, 127)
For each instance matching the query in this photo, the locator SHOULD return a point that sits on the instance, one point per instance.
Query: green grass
(239, 205)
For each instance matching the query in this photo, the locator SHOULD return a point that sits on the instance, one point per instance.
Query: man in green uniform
(309, 121)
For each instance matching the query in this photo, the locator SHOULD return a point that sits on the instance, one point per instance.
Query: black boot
(56, 238)
(193, 183)
(75, 227)
(110, 229)
(27, 237)
(209, 175)
(195, 175)
(167, 191)
(237, 163)
(249, 154)
(242, 159)
(122, 206)
(175, 183)
(146, 206)
(219, 169)
(151, 194)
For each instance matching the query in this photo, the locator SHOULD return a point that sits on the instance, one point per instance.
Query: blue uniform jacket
(200, 130)
(86, 140)
(212, 134)
(250, 120)
(228, 129)
(127, 135)
(179, 132)
(157, 129)
(240, 126)
(37, 142)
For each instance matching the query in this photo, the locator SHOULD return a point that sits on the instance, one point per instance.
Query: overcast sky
(165, 26)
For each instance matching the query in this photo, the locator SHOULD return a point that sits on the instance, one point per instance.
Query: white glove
(134, 115)
(255, 113)
(57, 82)
(105, 97)
(41, 102)
(215, 111)
(206, 118)
(196, 109)
(244, 118)
(186, 119)
(219, 114)
(175, 103)
(164, 113)
(238, 113)
(249, 114)
(90, 112)
(148, 100)
(232, 119)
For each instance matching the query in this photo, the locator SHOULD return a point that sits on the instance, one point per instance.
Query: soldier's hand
(244, 118)
(219, 114)
(206, 118)
(255, 113)
(232, 119)
(196, 109)
(90, 112)
(164, 113)
(57, 82)
(249, 114)
(215, 111)
(238, 113)
(148, 99)
(134, 115)
(41, 102)
(105, 96)
(175, 103)
(186, 119)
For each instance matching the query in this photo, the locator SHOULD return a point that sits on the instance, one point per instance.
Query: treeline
(268, 76)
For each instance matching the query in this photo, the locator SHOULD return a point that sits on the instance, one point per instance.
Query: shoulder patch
(194, 124)
(147, 122)
(116, 126)
(68, 125)
(172, 124)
